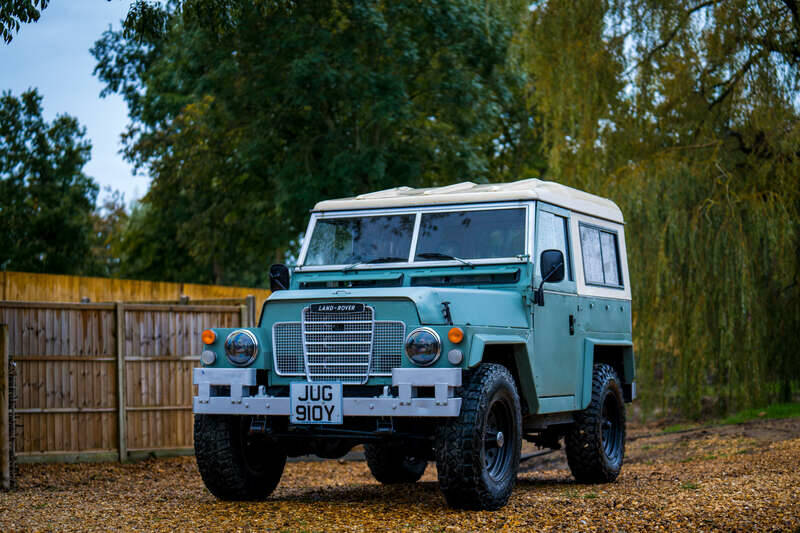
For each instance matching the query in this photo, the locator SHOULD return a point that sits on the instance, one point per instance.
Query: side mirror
(278, 277)
(551, 266)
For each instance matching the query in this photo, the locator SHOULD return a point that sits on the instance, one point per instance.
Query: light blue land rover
(444, 324)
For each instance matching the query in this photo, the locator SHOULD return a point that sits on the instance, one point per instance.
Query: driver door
(556, 346)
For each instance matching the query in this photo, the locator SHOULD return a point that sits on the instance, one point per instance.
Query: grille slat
(336, 364)
(342, 353)
(334, 342)
(337, 350)
(340, 321)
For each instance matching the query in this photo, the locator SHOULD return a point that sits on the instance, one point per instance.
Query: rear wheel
(392, 463)
(477, 454)
(235, 465)
(596, 443)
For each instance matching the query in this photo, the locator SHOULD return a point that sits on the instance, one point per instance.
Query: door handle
(572, 324)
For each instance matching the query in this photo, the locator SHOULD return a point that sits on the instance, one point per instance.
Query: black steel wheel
(233, 464)
(596, 443)
(477, 453)
(499, 425)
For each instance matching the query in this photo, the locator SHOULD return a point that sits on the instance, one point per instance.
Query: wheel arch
(614, 352)
(512, 352)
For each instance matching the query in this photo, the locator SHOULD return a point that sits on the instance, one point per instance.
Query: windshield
(443, 236)
(344, 241)
(471, 234)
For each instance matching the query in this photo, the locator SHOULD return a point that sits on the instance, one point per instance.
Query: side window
(600, 252)
(553, 236)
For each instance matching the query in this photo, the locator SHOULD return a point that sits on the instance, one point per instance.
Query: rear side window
(600, 252)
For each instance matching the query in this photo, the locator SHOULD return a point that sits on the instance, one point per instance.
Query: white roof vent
(456, 187)
(387, 193)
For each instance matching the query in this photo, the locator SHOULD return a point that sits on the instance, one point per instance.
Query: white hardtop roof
(468, 192)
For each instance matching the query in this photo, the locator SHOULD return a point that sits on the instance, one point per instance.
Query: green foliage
(246, 114)
(779, 410)
(14, 13)
(773, 411)
(686, 114)
(680, 428)
(46, 202)
(109, 224)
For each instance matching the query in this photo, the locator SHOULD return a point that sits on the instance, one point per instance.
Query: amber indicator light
(209, 337)
(455, 335)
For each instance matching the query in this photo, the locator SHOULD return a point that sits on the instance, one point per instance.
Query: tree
(46, 201)
(109, 225)
(687, 114)
(247, 114)
(13, 13)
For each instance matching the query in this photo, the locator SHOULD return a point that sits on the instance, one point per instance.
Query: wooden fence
(27, 287)
(7, 401)
(107, 381)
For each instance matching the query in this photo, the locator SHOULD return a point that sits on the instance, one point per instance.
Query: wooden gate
(107, 381)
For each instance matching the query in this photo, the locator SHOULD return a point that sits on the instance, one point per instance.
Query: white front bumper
(443, 404)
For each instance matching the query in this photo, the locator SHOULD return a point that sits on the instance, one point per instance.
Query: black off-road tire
(233, 465)
(476, 469)
(595, 444)
(391, 463)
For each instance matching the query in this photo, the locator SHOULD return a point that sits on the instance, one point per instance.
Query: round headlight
(241, 347)
(423, 346)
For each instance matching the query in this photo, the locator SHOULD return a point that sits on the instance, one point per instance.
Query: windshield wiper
(376, 260)
(437, 255)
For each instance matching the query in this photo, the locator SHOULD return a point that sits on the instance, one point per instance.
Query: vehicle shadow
(423, 493)
(533, 483)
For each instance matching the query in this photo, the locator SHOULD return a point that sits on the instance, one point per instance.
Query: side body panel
(603, 312)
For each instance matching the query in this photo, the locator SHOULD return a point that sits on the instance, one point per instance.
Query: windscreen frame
(417, 211)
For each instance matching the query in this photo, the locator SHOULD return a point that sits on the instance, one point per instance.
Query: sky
(53, 56)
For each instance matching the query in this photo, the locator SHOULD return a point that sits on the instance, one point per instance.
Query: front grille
(387, 346)
(287, 347)
(344, 347)
(332, 352)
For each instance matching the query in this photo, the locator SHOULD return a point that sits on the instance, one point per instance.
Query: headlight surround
(241, 347)
(423, 346)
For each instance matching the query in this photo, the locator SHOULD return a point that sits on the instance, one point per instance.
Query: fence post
(243, 315)
(121, 415)
(5, 427)
(250, 302)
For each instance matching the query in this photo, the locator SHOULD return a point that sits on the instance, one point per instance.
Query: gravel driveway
(731, 478)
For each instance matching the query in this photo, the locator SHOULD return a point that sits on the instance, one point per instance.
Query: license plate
(315, 403)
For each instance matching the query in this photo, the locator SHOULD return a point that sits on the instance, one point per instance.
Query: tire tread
(221, 465)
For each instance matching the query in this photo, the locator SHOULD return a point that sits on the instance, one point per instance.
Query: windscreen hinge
(448, 317)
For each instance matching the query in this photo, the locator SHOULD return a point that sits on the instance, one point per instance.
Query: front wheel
(235, 465)
(477, 454)
(596, 443)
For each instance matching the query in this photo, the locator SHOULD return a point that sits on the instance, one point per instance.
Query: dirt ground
(729, 478)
